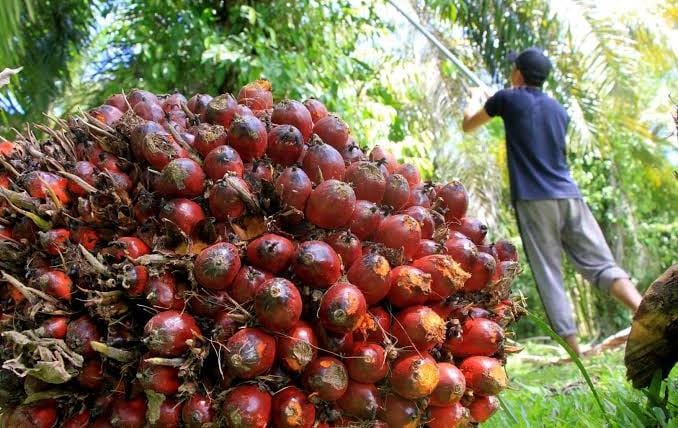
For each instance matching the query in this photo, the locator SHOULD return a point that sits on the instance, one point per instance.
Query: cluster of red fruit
(234, 262)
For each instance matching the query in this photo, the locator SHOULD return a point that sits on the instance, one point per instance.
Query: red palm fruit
(106, 114)
(462, 250)
(352, 152)
(54, 327)
(249, 353)
(178, 120)
(5, 232)
(481, 273)
(209, 303)
(347, 245)
(316, 264)
(197, 104)
(260, 170)
(216, 266)
(226, 198)
(86, 237)
(220, 110)
(173, 102)
(451, 386)
(119, 180)
(397, 192)
(337, 343)
(181, 178)
(55, 283)
(399, 412)
(245, 284)
(424, 218)
(223, 160)
(370, 274)
(285, 145)
(136, 96)
(409, 286)
(41, 414)
(367, 363)
(375, 326)
(293, 187)
(108, 162)
(447, 277)
(332, 130)
(342, 308)
(184, 213)
(366, 219)
(290, 112)
(225, 326)
(316, 108)
(133, 279)
(197, 411)
(90, 151)
(5, 182)
(421, 195)
(482, 408)
(400, 232)
(414, 375)
(39, 184)
(479, 336)
(379, 154)
(323, 162)
(131, 247)
(367, 181)
(506, 251)
(256, 95)
(79, 335)
(91, 374)
(291, 409)
(277, 304)
(161, 293)
(473, 228)
(271, 252)
(410, 172)
(297, 347)
(208, 137)
(247, 135)
(361, 400)
(169, 415)
(149, 110)
(118, 101)
(455, 198)
(327, 377)
(247, 406)
(455, 415)
(87, 172)
(484, 375)
(419, 326)
(158, 378)
(428, 247)
(159, 148)
(78, 420)
(128, 413)
(166, 333)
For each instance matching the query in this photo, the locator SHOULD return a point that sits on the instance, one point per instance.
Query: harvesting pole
(446, 52)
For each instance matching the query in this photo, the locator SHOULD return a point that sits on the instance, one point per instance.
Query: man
(552, 217)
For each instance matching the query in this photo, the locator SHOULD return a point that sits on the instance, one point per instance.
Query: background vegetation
(614, 69)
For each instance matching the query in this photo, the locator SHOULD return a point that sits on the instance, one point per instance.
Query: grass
(556, 395)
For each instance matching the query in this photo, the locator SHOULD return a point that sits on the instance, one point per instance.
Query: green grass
(548, 395)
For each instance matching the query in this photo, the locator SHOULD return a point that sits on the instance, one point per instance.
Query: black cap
(533, 64)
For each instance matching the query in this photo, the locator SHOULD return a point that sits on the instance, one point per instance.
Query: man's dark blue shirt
(536, 126)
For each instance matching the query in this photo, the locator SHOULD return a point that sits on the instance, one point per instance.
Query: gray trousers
(550, 226)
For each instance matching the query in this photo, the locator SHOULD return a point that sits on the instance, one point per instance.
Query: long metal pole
(449, 55)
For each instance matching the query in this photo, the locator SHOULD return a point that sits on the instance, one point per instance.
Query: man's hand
(474, 113)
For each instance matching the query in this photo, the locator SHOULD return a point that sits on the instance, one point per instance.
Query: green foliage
(544, 394)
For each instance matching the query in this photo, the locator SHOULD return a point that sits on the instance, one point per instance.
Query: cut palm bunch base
(233, 262)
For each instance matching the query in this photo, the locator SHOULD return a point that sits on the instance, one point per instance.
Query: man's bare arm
(475, 115)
